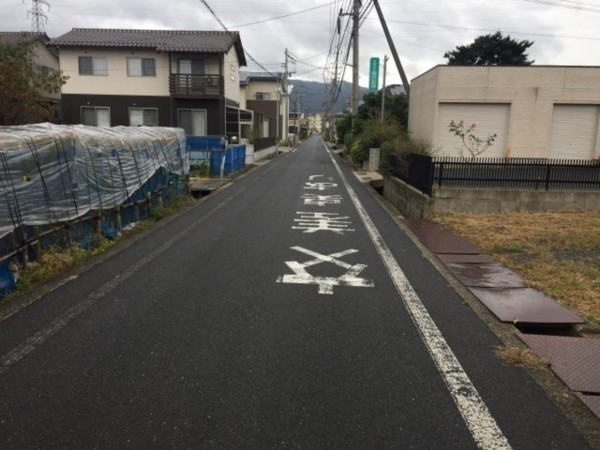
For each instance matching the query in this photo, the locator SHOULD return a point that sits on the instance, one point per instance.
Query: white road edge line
(482, 425)
(30, 344)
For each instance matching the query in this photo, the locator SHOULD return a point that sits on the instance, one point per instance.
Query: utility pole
(385, 60)
(392, 48)
(355, 27)
(286, 120)
(298, 113)
(38, 16)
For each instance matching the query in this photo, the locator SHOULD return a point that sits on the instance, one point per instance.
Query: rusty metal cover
(525, 305)
(440, 239)
(575, 360)
(489, 275)
(591, 401)
(467, 259)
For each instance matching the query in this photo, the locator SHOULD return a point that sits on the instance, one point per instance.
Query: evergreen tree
(491, 50)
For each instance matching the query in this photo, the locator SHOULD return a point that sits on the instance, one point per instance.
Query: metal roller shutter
(574, 131)
(489, 118)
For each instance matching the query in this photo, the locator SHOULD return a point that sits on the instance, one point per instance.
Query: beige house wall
(116, 82)
(231, 73)
(531, 92)
(43, 57)
(255, 86)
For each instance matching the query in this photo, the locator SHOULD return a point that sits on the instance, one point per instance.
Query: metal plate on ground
(591, 401)
(440, 239)
(468, 258)
(489, 275)
(575, 360)
(525, 305)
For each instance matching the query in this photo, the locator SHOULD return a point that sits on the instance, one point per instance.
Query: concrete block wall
(413, 204)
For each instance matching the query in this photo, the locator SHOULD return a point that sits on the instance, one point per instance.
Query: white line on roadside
(473, 409)
(41, 336)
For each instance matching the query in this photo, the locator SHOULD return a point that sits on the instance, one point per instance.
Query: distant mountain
(314, 96)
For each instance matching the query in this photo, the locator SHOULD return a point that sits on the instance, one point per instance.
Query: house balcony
(196, 86)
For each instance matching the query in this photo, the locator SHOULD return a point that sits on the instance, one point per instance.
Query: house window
(193, 121)
(143, 116)
(263, 96)
(95, 116)
(92, 65)
(141, 67)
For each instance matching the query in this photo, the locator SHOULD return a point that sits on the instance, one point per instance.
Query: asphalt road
(286, 311)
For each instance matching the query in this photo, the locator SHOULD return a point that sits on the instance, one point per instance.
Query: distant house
(264, 94)
(534, 111)
(316, 122)
(187, 79)
(45, 57)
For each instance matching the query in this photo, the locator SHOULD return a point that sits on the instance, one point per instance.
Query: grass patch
(556, 253)
(55, 260)
(521, 356)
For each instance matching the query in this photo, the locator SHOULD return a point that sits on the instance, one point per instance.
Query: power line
(283, 16)
(456, 27)
(571, 5)
(245, 51)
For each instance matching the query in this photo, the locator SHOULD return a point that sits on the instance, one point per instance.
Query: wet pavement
(575, 360)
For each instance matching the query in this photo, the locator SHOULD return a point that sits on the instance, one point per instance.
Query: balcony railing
(196, 85)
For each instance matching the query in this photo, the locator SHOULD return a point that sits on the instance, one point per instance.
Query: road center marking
(482, 425)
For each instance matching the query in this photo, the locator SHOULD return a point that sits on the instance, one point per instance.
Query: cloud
(422, 30)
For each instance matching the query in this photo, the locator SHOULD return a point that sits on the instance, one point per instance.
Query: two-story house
(265, 94)
(187, 79)
(44, 56)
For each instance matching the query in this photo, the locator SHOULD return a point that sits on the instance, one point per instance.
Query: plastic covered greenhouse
(51, 175)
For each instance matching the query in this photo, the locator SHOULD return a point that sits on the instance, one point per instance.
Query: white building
(535, 111)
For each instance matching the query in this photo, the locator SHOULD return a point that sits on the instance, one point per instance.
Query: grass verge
(55, 260)
(556, 253)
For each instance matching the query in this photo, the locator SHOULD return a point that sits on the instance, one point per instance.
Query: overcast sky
(565, 32)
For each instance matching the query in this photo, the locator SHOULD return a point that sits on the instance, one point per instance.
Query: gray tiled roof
(159, 40)
(13, 37)
(245, 77)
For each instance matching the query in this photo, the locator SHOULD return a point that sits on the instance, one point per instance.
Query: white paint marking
(483, 426)
(320, 186)
(321, 200)
(311, 222)
(41, 336)
(314, 177)
(301, 276)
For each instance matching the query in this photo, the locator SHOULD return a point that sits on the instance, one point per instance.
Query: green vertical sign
(374, 74)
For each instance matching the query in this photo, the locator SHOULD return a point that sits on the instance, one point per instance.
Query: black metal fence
(425, 172)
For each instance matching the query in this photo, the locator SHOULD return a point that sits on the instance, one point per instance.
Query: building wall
(119, 107)
(531, 92)
(231, 73)
(45, 58)
(268, 108)
(255, 86)
(422, 117)
(117, 82)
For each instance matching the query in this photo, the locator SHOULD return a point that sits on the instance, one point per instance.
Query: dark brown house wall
(268, 108)
(214, 121)
(119, 107)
